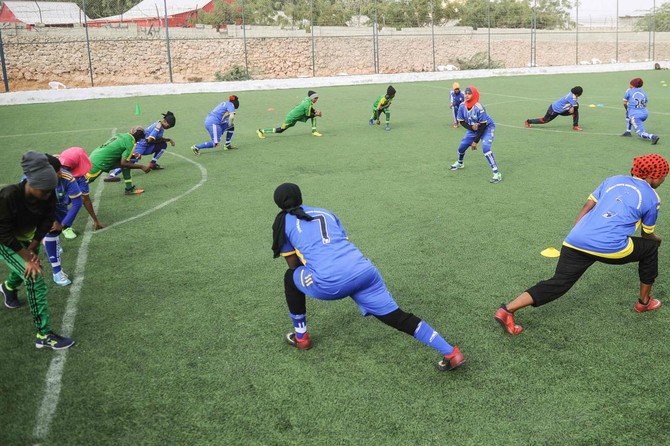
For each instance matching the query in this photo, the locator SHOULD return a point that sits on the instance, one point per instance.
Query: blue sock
(431, 338)
(52, 249)
(157, 155)
(299, 324)
(229, 137)
(205, 145)
(115, 172)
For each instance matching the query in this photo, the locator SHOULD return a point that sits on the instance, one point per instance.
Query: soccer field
(178, 307)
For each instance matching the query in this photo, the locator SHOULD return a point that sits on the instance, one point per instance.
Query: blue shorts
(368, 290)
(150, 149)
(215, 129)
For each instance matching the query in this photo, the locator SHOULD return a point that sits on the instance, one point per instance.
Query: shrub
(478, 61)
(236, 73)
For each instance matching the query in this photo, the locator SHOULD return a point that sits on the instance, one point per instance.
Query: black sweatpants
(572, 264)
(551, 114)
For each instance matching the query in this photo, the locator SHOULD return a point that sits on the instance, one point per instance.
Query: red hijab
(475, 97)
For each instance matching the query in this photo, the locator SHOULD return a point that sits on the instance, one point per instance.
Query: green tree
(549, 14)
(105, 8)
(660, 21)
(553, 14)
(222, 14)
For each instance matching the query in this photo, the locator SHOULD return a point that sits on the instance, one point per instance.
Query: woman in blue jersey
(325, 265)
(480, 126)
(603, 233)
(568, 105)
(219, 121)
(456, 98)
(635, 102)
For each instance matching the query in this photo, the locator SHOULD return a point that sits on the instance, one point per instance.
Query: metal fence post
(4, 66)
(244, 39)
(311, 28)
(616, 33)
(533, 35)
(167, 40)
(375, 40)
(577, 35)
(488, 13)
(432, 29)
(88, 44)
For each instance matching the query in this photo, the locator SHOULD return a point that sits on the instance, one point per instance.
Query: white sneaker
(456, 166)
(61, 279)
(497, 178)
(195, 150)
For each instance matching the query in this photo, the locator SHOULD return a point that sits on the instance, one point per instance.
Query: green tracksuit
(22, 221)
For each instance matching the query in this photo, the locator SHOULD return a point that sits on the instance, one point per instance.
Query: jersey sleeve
(287, 249)
(460, 115)
(129, 148)
(72, 187)
(649, 218)
(155, 132)
(596, 194)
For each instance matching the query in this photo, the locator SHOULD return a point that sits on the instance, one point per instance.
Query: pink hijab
(75, 160)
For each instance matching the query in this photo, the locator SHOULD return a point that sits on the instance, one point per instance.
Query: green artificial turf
(181, 316)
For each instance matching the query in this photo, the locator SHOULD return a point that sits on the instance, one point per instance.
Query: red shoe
(134, 191)
(652, 305)
(506, 319)
(450, 362)
(301, 344)
(577, 128)
(527, 124)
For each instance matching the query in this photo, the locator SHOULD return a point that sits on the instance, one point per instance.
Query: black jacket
(21, 216)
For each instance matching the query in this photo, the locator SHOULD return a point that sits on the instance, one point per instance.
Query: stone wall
(120, 59)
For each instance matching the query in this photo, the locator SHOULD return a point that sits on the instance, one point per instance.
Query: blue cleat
(54, 341)
(61, 279)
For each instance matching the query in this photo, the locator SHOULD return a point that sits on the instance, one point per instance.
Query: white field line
(203, 180)
(54, 375)
(52, 133)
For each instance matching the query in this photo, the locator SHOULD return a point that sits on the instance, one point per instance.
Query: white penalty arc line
(203, 180)
(54, 375)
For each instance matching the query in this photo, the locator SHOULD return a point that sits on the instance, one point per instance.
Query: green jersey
(301, 112)
(382, 103)
(107, 156)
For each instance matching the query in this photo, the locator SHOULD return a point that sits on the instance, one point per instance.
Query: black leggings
(572, 264)
(551, 114)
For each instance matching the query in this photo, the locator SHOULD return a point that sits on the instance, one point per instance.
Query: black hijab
(289, 198)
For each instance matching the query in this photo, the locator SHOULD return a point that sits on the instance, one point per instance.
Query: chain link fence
(58, 45)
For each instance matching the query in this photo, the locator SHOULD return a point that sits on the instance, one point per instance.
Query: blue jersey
(153, 132)
(636, 98)
(67, 192)
(323, 247)
(222, 113)
(565, 103)
(623, 203)
(476, 115)
(456, 99)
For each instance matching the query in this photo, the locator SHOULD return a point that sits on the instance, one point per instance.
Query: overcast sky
(608, 8)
